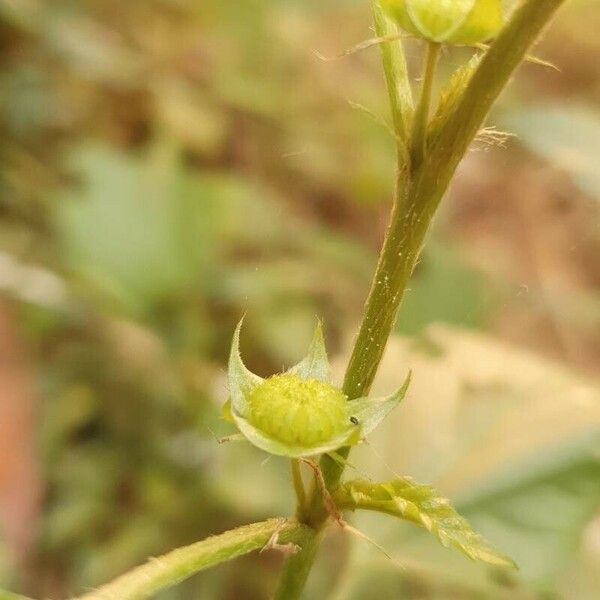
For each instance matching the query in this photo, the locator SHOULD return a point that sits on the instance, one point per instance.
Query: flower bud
(448, 21)
(300, 413)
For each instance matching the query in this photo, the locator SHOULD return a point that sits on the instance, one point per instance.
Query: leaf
(241, 380)
(541, 509)
(173, 568)
(423, 506)
(511, 437)
(315, 365)
(138, 229)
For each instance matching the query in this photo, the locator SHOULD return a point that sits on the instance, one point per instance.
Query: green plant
(429, 150)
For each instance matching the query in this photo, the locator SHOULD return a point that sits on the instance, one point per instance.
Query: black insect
(354, 421)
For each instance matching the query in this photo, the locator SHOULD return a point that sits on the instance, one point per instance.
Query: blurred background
(166, 166)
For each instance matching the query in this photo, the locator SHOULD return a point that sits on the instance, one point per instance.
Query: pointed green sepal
(315, 365)
(423, 506)
(241, 381)
(368, 413)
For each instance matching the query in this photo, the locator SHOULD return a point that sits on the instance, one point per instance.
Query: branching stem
(418, 193)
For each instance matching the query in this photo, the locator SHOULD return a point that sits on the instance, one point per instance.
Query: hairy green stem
(168, 570)
(298, 488)
(396, 77)
(418, 195)
(421, 119)
(296, 568)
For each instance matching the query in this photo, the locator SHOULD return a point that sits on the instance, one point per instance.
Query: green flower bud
(300, 413)
(448, 21)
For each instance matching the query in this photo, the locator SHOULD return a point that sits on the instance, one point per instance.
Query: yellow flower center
(297, 411)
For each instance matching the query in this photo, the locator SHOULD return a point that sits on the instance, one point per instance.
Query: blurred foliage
(170, 164)
(567, 137)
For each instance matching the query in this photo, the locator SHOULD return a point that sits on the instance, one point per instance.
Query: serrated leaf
(241, 380)
(515, 453)
(315, 365)
(423, 506)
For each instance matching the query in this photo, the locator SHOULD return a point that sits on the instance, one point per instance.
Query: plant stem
(421, 119)
(164, 572)
(396, 78)
(418, 194)
(296, 568)
(298, 488)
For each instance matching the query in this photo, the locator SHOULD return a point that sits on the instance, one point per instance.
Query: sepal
(370, 412)
(315, 365)
(241, 380)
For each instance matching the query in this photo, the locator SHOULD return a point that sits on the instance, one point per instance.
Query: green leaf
(538, 506)
(315, 365)
(423, 506)
(241, 380)
(140, 228)
(173, 568)
(512, 438)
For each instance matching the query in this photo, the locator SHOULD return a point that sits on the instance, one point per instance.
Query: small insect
(354, 421)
